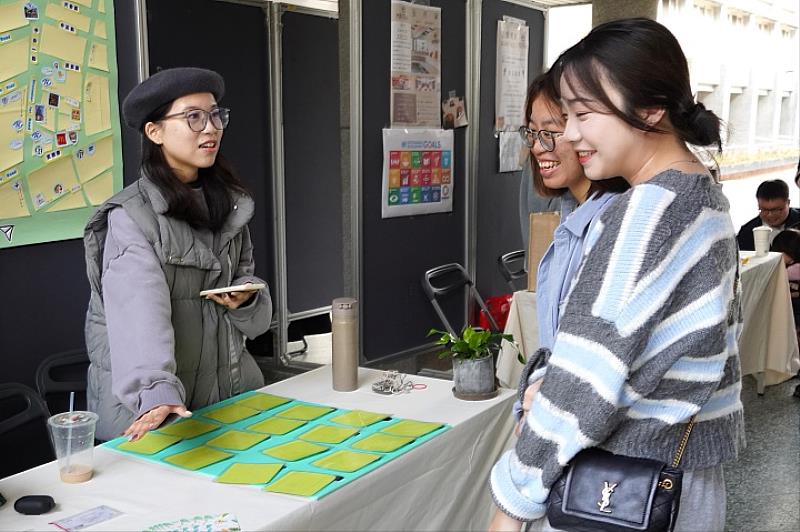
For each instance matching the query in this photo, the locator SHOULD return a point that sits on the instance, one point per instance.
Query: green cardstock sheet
(328, 434)
(280, 445)
(249, 473)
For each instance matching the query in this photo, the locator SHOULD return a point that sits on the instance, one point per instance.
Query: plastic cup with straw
(73, 433)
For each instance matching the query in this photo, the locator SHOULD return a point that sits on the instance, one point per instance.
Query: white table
(440, 485)
(768, 342)
(767, 345)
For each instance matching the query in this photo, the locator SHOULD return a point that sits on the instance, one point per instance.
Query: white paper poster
(417, 172)
(511, 151)
(511, 81)
(416, 67)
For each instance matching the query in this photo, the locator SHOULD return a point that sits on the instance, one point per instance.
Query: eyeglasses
(547, 139)
(198, 118)
(776, 210)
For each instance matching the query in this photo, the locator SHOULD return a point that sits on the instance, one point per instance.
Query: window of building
(787, 33)
(766, 25)
(738, 18)
(706, 9)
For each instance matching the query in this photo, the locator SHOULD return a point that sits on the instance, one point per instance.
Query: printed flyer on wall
(60, 151)
(417, 172)
(511, 78)
(416, 65)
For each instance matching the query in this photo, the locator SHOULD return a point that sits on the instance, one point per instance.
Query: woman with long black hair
(158, 348)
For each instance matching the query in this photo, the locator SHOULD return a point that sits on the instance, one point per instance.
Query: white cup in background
(761, 239)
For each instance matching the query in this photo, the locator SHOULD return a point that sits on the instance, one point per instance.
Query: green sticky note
(304, 412)
(294, 450)
(231, 413)
(300, 483)
(263, 401)
(150, 443)
(237, 440)
(346, 461)
(359, 418)
(382, 443)
(188, 428)
(240, 473)
(411, 428)
(197, 458)
(328, 434)
(276, 425)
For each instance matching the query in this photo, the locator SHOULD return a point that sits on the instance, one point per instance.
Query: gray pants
(702, 503)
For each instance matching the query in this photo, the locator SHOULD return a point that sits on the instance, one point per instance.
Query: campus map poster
(417, 172)
(60, 150)
(416, 65)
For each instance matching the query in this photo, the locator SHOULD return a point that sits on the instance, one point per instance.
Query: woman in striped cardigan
(648, 334)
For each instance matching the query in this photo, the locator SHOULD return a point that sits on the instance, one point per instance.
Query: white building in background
(744, 58)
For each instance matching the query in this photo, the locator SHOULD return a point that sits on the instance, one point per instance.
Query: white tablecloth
(440, 485)
(767, 345)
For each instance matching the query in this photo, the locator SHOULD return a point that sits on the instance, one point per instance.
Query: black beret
(163, 87)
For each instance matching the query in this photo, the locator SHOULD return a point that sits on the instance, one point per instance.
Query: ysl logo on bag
(606, 497)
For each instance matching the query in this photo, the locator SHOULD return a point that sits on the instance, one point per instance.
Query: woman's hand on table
(527, 401)
(502, 522)
(232, 300)
(153, 419)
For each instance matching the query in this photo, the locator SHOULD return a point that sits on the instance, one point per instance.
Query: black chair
(24, 438)
(60, 374)
(512, 268)
(443, 280)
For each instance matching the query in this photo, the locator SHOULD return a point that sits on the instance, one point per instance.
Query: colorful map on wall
(60, 148)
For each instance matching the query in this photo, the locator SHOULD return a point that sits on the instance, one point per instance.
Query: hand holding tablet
(248, 287)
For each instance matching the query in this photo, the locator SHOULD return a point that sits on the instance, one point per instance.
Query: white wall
(565, 26)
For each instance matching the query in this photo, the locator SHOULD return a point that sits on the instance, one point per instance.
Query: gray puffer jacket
(151, 338)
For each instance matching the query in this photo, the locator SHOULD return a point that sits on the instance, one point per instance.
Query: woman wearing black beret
(156, 346)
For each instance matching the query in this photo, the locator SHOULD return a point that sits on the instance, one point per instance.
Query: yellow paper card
(276, 425)
(197, 458)
(12, 201)
(101, 6)
(240, 473)
(188, 428)
(87, 3)
(294, 450)
(100, 188)
(12, 16)
(100, 29)
(101, 159)
(98, 57)
(230, 413)
(50, 182)
(11, 140)
(61, 13)
(305, 412)
(411, 428)
(237, 440)
(359, 418)
(300, 483)
(263, 401)
(346, 461)
(96, 104)
(67, 202)
(328, 434)
(13, 59)
(150, 443)
(381, 443)
(59, 43)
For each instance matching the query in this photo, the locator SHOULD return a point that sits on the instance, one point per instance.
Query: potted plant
(473, 353)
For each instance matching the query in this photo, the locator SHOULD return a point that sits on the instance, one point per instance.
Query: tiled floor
(763, 486)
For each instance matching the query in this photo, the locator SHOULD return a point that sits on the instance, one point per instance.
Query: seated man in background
(774, 212)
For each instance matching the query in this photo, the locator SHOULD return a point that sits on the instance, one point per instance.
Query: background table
(767, 345)
(768, 342)
(440, 485)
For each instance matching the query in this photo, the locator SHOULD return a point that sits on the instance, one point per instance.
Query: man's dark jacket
(745, 236)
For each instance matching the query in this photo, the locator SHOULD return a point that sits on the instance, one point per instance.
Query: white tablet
(238, 288)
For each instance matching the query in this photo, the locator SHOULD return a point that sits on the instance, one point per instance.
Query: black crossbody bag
(599, 490)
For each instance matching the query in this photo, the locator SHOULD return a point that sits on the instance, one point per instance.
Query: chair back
(442, 280)
(512, 268)
(60, 374)
(24, 437)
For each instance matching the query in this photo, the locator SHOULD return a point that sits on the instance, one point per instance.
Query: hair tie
(695, 111)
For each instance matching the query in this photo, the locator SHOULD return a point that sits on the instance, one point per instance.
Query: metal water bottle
(344, 325)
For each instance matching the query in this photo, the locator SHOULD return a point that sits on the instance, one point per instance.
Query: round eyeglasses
(198, 118)
(547, 139)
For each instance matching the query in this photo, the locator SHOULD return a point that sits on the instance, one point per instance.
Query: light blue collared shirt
(561, 260)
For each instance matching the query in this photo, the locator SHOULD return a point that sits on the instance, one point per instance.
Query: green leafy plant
(473, 343)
